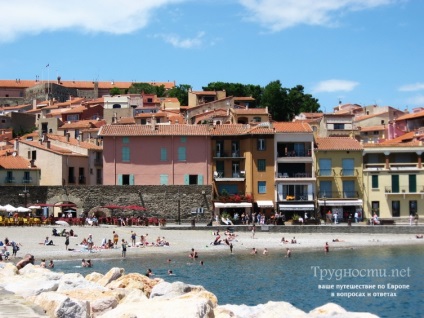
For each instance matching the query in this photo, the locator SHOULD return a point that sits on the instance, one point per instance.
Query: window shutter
(119, 179)
(131, 179)
(186, 179)
(200, 179)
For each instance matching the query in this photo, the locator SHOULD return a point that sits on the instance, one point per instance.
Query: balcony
(27, 180)
(225, 155)
(234, 176)
(284, 175)
(302, 196)
(404, 190)
(99, 181)
(326, 173)
(9, 180)
(71, 179)
(338, 194)
(349, 172)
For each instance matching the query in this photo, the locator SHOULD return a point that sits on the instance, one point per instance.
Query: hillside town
(354, 162)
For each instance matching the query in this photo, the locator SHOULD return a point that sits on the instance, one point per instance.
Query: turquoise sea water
(303, 280)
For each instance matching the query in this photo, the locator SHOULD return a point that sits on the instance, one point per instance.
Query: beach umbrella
(34, 207)
(22, 209)
(2, 208)
(64, 223)
(9, 208)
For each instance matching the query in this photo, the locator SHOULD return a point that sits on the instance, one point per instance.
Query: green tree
(236, 90)
(115, 91)
(180, 92)
(138, 88)
(274, 97)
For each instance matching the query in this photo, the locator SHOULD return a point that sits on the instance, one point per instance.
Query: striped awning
(233, 205)
(340, 202)
(296, 207)
(265, 204)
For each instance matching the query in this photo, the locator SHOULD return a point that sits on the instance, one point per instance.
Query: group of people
(4, 252)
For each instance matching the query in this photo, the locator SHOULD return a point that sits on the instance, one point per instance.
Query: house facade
(295, 178)
(339, 176)
(156, 154)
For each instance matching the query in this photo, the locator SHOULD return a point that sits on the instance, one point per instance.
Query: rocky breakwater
(44, 293)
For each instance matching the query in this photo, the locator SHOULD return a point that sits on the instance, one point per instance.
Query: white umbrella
(9, 208)
(64, 223)
(34, 207)
(22, 209)
(2, 208)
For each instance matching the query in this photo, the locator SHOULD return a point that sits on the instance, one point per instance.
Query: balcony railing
(404, 189)
(349, 172)
(293, 175)
(98, 162)
(325, 173)
(293, 153)
(99, 181)
(296, 196)
(27, 180)
(71, 179)
(338, 194)
(234, 154)
(235, 175)
(9, 180)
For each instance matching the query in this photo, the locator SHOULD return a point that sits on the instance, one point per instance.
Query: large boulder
(164, 308)
(135, 280)
(94, 277)
(171, 290)
(269, 310)
(77, 281)
(111, 275)
(336, 311)
(98, 300)
(8, 270)
(61, 306)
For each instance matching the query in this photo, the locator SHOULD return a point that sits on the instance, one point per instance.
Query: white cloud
(412, 87)
(186, 43)
(334, 85)
(278, 15)
(115, 17)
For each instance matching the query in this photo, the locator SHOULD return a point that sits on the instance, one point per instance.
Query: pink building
(156, 154)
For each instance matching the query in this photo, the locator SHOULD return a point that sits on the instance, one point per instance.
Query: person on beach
(88, 263)
(193, 254)
(90, 243)
(6, 241)
(28, 259)
(66, 241)
(51, 264)
(170, 272)
(83, 263)
(416, 218)
(43, 263)
(124, 248)
(326, 247)
(293, 241)
(133, 238)
(254, 251)
(115, 237)
(328, 217)
(47, 241)
(356, 217)
(283, 240)
(288, 253)
(149, 273)
(265, 252)
(15, 248)
(253, 230)
(231, 248)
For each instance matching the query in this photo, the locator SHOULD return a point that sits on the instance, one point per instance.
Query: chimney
(153, 123)
(67, 137)
(16, 145)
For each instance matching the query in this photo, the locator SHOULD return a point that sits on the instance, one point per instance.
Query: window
(261, 164)
(27, 177)
(183, 139)
(126, 179)
(193, 179)
(413, 207)
(125, 140)
(235, 148)
(163, 179)
(219, 148)
(257, 119)
(182, 154)
(395, 208)
(412, 183)
(71, 175)
(125, 154)
(163, 154)
(261, 187)
(236, 169)
(9, 177)
(375, 207)
(374, 181)
(325, 167)
(395, 183)
(349, 189)
(339, 126)
(220, 167)
(325, 189)
(261, 144)
(348, 167)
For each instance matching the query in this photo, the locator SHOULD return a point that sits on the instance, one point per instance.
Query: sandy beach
(182, 241)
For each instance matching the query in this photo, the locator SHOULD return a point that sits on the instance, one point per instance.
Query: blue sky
(357, 51)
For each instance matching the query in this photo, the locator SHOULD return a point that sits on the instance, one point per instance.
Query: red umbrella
(135, 208)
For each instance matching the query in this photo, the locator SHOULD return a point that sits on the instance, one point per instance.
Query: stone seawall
(305, 229)
(161, 201)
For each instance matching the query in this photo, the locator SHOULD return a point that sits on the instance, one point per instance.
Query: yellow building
(339, 177)
(394, 179)
(243, 168)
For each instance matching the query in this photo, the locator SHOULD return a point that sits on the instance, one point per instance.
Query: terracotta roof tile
(15, 163)
(250, 111)
(83, 124)
(338, 143)
(292, 127)
(75, 142)
(363, 117)
(394, 144)
(126, 121)
(411, 116)
(160, 130)
(373, 128)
